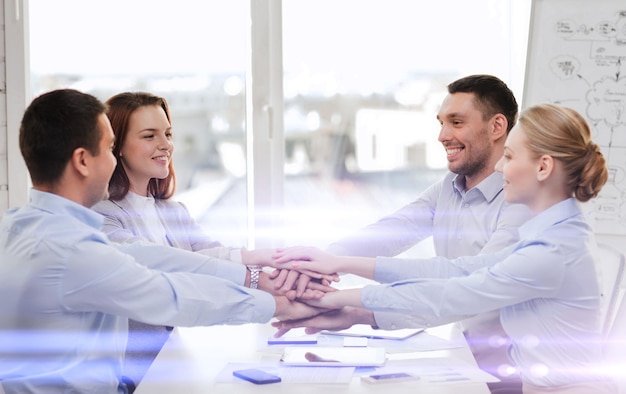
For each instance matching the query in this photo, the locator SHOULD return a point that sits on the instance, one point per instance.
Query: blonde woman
(544, 286)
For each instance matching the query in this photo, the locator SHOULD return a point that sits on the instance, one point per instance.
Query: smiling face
(519, 168)
(147, 148)
(465, 136)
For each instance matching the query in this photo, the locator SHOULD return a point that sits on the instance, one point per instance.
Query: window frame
(17, 95)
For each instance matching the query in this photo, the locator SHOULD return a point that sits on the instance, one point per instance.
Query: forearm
(339, 299)
(258, 256)
(361, 266)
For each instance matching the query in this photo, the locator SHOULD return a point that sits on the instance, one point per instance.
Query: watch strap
(255, 272)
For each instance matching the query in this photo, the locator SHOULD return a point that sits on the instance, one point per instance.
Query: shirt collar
(557, 213)
(489, 187)
(56, 204)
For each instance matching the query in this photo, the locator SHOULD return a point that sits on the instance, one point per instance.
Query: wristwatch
(255, 271)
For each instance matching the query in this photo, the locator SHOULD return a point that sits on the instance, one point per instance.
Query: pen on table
(291, 341)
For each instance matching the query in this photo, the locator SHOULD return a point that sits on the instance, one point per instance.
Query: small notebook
(365, 330)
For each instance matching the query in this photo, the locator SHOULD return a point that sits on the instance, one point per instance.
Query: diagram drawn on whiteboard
(577, 58)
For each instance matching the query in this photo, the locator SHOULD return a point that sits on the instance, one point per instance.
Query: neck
(471, 181)
(142, 191)
(487, 169)
(545, 201)
(71, 193)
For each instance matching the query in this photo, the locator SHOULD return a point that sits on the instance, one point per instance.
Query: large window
(192, 52)
(362, 82)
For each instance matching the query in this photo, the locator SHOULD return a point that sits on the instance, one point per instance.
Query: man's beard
(472, 167)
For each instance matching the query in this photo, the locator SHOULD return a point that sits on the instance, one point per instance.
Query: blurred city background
(363, 80)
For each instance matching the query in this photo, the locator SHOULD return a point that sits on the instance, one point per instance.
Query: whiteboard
(577, 58)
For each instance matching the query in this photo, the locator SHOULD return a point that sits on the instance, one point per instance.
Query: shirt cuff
(235, 273)
(235, 255)
(385, 269)
(265, 307)
(375, 299)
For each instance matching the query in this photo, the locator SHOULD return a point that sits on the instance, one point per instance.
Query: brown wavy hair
(120, 108)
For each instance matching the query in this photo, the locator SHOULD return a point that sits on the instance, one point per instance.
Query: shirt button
(393, 326)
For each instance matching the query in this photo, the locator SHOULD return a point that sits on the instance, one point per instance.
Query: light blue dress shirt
(462, 222)
(162, 221)
(67, 294)
(545, 287)
(124, 223)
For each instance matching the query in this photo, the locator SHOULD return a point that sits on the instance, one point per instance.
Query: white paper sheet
(438, 370)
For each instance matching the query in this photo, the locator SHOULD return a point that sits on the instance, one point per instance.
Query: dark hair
(54, 125)
(564, 134)
(492, 96)
(120, 108)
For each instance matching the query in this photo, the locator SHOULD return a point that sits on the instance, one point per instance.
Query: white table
(193, 357)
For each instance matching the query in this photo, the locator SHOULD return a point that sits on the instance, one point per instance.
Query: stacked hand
(297, 281)
(301, 284)
(308, 260)
(295, 293)
(305, 274)
(333, 320)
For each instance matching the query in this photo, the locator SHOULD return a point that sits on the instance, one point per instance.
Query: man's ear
(80, 160)
(546, 167)
(499, 126)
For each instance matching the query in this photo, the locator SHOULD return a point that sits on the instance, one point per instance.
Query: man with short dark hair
(67, 292)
